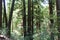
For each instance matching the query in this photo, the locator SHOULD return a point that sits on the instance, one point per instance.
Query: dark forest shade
(58, 16)
(51, 20)
(0, 14)
(50, 7)
(30, 30)
(10, 18)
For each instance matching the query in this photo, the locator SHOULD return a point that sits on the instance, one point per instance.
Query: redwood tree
(58, 16)
(30, 20)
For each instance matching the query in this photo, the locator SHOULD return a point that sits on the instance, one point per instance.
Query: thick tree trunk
(30, 30)
(51, 20)
(0, 15)
(58, 17)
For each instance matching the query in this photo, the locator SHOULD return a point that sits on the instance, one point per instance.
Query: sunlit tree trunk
(58, 17)
(51, 20)
(0, 15)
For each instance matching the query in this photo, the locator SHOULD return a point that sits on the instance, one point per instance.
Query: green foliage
(41, 15)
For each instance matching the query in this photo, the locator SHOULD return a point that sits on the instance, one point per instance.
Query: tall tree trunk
(10, 18)
(30, 30)
(4, 15)
(32, 18)
(51, 20)
(0, 15)
(58, 16)
(24, 19)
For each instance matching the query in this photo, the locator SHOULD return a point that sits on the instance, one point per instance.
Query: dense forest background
(30, 19)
